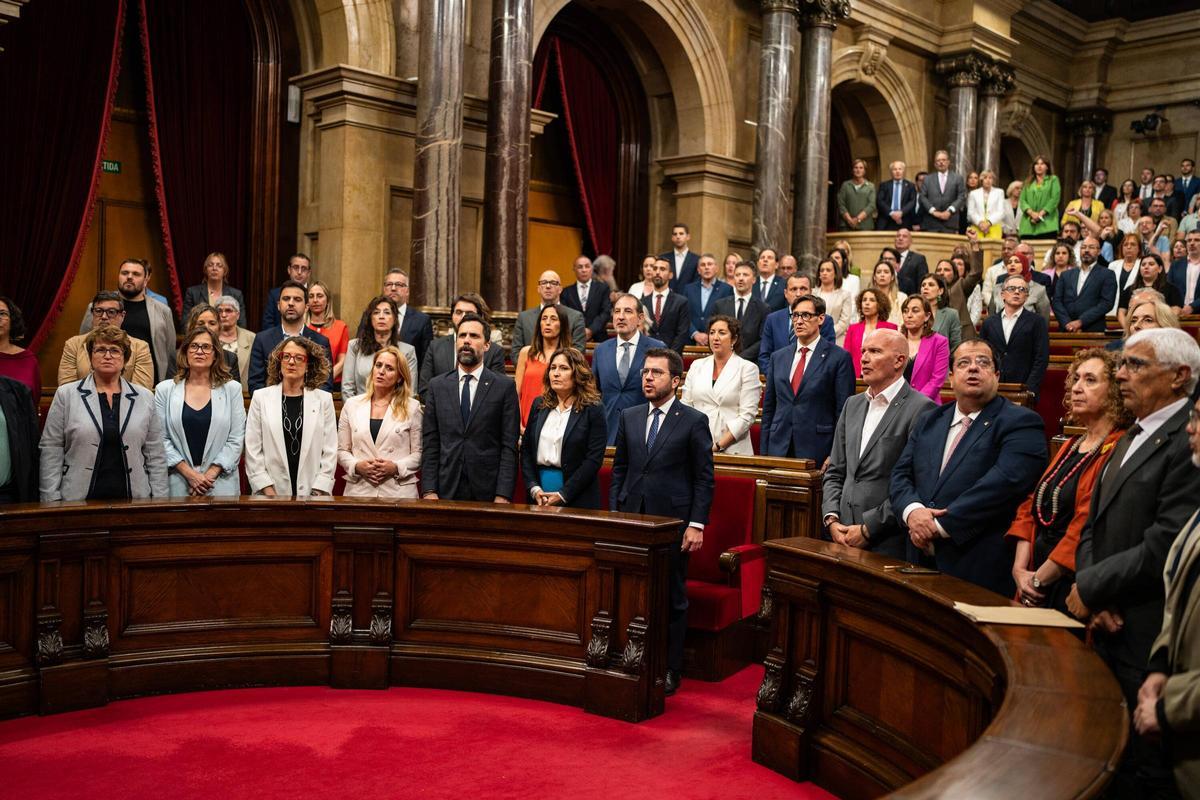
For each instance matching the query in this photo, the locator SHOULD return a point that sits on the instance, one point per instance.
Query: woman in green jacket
(1039, 201)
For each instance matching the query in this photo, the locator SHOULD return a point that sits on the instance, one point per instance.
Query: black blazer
(198, 294)
(266, 341)
(480, 461)
(1107, 196)
(685, 274)
(675, 478)
(21, 422)
(417, 330)
(883, 206)
(676, 323)
(598, 311)
(440, 358)
(582, 453)
(913, 270)
(1026, 355)
(752, 323)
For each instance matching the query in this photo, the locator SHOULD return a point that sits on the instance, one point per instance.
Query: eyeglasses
(549, 283)
(108, 352)
(106, 313)
(1133, 363)
(653, 372)
(983, 362)
(804, 315)
(293, 358)
(1016, 290)
(395, 285)
(197, 347)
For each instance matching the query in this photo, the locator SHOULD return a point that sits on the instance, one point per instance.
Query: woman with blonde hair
(1147, 309)
(1085, 206)
(322, 320)
(379, 433)
(1011, 221)
(213, 287)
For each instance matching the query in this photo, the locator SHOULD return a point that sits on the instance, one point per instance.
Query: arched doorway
(1015, 160)
(862, 125)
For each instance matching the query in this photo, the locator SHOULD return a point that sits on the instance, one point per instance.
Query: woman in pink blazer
(379, 434)
(873, 309)
(928, 352)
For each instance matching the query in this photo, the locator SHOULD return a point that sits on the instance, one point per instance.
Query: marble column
(437, 193)
(506, 167)
(776, 113)
(963, 74)
(818, 20)
(1087, 127)
(997, 82)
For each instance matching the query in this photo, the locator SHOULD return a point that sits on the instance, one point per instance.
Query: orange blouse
(1024, 526)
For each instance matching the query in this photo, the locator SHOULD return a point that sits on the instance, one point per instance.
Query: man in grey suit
(549, 289)
(943, 196)
(471, 422)
(870, 436)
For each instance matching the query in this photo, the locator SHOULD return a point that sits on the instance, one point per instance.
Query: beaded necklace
(1041, 492)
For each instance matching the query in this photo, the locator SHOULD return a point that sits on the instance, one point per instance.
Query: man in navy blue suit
(1185, 274)
(664, 466)
(590, 298)
(413, 325)
(617, 362)
(778, 330)
(702, 295)
(670, 317)
(807, 385)
(768, 287)
(1187, 184)
(966, 468)
(299, 269)
(293, 302)
(895, 201)
(683, 261)
(1083, 295)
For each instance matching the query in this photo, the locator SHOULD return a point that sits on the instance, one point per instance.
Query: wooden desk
(875, 684)
(100, 601)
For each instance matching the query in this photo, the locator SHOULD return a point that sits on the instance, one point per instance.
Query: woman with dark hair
(1125, 267)
(1125, 195)
(379, 433)
(945, 319)
(563, 446)
(1049, 522)
(961, 287)
(856, 200)
(203, 419)
(874, 307)
(851, 282)
(1151, 274)
(291, 431)
(1039, 201)
(725, 387)
(16, 362)
(102, 439)
(534, 358)
(928, 352)
(839, 305)
(883, 279)
(214, 287)
(376, 330)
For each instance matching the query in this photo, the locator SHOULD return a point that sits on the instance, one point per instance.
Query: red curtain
(199, 61)
(58, 77)
(590, 115)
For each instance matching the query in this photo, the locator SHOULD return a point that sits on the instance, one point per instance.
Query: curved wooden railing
(875, 684)
(111, 600)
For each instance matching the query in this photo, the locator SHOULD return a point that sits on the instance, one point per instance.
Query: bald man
(869, 439)
(549, 290)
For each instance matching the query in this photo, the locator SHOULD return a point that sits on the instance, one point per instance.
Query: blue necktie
(657, 414)
(465, 404)
(895, 195)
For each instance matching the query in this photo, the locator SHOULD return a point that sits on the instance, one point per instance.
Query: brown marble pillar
(997, 81)
(1087, 127)
(963, 74)
(818, 19)
(506, 168)
(776, 113)
(437, 194)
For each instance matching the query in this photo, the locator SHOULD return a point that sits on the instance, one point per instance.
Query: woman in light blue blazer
(203, 420)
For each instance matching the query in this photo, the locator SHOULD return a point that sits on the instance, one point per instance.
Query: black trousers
(677, 621)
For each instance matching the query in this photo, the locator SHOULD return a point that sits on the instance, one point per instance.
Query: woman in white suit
(725, 387)
(203, 420)
(985, 207)
(379, 434)
(291, 430)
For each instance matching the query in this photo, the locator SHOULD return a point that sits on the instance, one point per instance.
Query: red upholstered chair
(756, 436)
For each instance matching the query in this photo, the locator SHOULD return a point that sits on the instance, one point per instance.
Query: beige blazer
(266, 446)
(399, 441)
(245, 343)
(75, 364)
(730, 404)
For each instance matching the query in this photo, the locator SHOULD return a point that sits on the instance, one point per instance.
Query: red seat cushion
(1050, 401)
(730, 523)
(713, 607)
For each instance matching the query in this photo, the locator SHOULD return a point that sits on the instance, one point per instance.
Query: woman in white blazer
(203, 420)
(726, 388)
(839, 305)
(376, 329)
(985, 207)
(291, 430)
(379, 434)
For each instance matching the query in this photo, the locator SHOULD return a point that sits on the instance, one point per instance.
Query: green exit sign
(111, 166)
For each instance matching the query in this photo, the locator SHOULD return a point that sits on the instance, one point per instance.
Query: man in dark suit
(1104, 193)
(664, 466)
(1143, 498)
(683, 261)
(871, 434)
(807, 385)
(470, 426)
(670, 317)
(1083, 295)
(1187, 183)
(768, 287)
(966, 468)
(19, 418)
(549, 294)
(442, 355)
(299, 269)
(293, 302)
(943, 196)
(912, 267)
(412, 325)
(749, 311)
(617, 362)
(702, 295)
(1020, 336)
(779, 331)
(590, 298)
(1185, 273)
(895, 201)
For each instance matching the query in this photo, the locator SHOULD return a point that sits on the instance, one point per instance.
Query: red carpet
(262, 744)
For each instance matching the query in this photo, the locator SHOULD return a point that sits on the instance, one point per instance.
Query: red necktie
(798, 375)
(658, 308)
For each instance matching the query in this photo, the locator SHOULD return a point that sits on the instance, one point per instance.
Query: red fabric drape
(590, 115)
(199, 61)
(58, 77)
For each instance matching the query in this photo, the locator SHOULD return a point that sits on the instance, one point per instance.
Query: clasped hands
(849, 535)
(1109, 621)
(922, 526)
(549, 498)
(201, 483)
(376, 470)
(1145, 716)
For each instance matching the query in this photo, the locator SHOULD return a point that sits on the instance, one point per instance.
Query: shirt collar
(1154, 421)
(958, 415)
(665, 408)
(633, 340)
(462, 373)
(890, 392)
(812, 346)
(746, 296)
(1013, 316)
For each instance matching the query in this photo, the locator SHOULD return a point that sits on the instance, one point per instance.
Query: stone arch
(886, 98)
(361, 33)
(689, 52)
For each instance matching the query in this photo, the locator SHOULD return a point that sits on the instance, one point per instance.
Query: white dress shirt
(584, 289)
(1193, 274)
(744, 300)
(1084, 272)
(400, 311)
(680, 257)
(633, 345)
(1008, 321)
(1152, 423)
(877, 406)
(550, 438)
(812, 346)
(462, 373)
